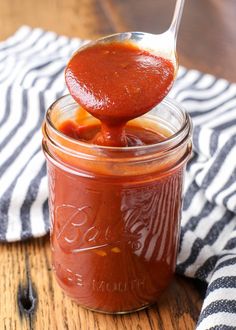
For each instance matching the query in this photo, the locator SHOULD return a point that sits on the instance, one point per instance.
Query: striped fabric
(31, 78)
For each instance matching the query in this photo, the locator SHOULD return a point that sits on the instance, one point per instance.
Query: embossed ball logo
(76, 231)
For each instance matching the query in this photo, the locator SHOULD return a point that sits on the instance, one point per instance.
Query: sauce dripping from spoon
(116, 82)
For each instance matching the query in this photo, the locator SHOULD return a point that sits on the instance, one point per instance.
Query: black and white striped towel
(31, 78)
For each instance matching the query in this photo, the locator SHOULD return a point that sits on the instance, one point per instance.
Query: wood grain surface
(31, 299)
(29, 295)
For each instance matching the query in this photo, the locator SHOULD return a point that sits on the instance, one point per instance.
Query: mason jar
(115, 211)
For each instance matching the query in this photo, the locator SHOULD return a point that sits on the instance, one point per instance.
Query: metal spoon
(163, 44)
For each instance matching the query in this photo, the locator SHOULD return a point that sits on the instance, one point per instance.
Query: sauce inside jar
(135, 135)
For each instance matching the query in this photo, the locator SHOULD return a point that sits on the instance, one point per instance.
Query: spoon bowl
(162, 45)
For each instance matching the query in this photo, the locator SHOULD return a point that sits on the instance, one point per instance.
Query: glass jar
(115, 212)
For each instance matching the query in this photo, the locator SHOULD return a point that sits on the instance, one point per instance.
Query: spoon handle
(174, 26)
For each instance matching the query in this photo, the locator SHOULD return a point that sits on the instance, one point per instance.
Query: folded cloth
(32, 65)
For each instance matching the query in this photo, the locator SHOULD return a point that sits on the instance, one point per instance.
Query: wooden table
(29, 295)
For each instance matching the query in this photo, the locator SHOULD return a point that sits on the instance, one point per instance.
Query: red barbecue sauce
(114, 239)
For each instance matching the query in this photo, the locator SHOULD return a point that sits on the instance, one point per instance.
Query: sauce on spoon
(116, 82)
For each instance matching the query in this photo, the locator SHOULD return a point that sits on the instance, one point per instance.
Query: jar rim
(171, 141)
